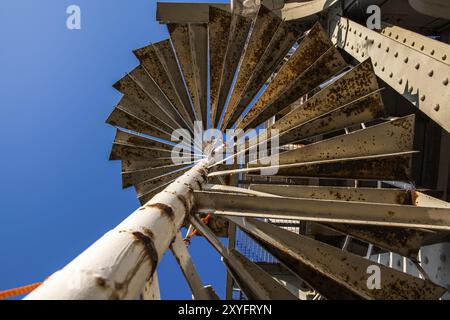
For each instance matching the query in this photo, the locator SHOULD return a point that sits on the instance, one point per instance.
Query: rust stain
(164, 209)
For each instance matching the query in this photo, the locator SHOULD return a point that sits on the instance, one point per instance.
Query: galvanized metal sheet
(142, 103)
(239, 29)
(130, 178)
(179, 34)
(262, 32)
(284, 38)
(121, 118)
(422, 80)
(167, 57)
(355, 84)
(252, 279)
(312, 47)
(219, 27)
(150, 60)
(362, 110)
(340, 267)
(333, 211)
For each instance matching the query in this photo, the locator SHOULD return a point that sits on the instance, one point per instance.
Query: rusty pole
(119, 264)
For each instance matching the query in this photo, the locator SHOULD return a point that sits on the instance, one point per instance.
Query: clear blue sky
(58, 191)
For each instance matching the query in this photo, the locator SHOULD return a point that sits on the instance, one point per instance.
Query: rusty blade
(198, 40)
(121, 118)
(132, 165)
(355, 84)
(338, 267)
(133, 177)
(262, 31)
(150, 87)
(142, 102)
(392, 167)
(285, 36)
(143, 188)
(219, 26)
(179, 34)
(324, 211)
(138, 141)
(312, 47)
(168, 59)
(150, 60)
(406, 242)
(385, 138)
(359, 111)
(239, 29)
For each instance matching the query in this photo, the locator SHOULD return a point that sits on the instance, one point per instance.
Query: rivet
(417, 66)
(422, 47)
(400, 81)
(379, 45)
(387, 49)
(396, 54)
(396, 37)
(445, 82)
(444, 57)
(391, 75)
(436, 107)
(406, 60)
(430, 74)
(390, 33)
(432, 52)
(422, 98)
(375, 63)
(404, 40)
(382, 69)
(413, 43)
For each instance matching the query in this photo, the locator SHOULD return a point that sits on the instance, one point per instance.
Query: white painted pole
(120, 263)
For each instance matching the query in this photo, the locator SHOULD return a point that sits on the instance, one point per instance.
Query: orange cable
(18, 291)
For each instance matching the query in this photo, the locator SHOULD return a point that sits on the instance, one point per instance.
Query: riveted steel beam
(335, 267)
(422, 80)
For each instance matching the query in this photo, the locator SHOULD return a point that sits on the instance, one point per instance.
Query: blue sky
(59, 193)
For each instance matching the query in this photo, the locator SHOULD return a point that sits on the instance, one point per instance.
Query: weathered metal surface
(334, 211)
(388, 137)
(138, 141)
(184, 259)
(285, 36)
(147, 186)
(378, 195)
(119, 263)
(262, 32)
(133, 165)
(167, 57)
(130, 178)
(406, 242)
(438, 50)
(395, 166)
(422, 80)
(151, 88)
(178, 12)
(198, 40)
(312, 47)
(142, 103)
(314, 62)
(123, 119)
(150, 60)
(368, 108)
(303, 9)
(253, 280)
(239, 29)
(346, 270)
(219, 27)
(355, 84)
(179, 34)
